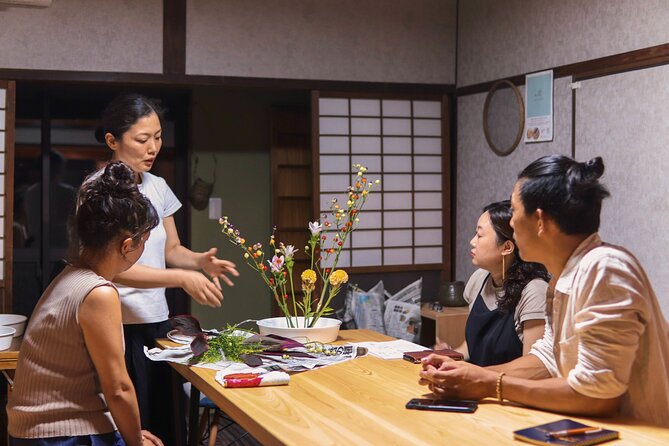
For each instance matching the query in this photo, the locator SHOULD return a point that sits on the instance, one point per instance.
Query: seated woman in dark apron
(507, 296)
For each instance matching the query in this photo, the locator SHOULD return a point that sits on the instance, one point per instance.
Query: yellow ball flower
(309, 276)
(338, 277)
(308, 280)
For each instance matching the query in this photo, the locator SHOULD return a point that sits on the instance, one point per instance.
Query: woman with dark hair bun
(71, 385)
(506, 295)
(131, 128)
(606, 345)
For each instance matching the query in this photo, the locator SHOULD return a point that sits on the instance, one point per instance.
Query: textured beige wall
(484, 177)
(84, 35)
(623, 119)
(353, 40)
(234, 126)
(499, 39)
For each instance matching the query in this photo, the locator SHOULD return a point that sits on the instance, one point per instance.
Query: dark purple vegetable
(199, 344)
(186, 325)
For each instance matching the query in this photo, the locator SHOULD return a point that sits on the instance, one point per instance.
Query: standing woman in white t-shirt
(131, 128)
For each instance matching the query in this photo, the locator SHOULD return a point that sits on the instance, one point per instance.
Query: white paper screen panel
(399, 141)
(333, 106)
(334, 163)
(366, 257)
(397, 182)
(326, 201)
(426, 109)
(373, 202)
(427, 127)
(333, 144)
(428, 255)
(396, 126)
(428, 219)
(344, 260)
(397, 163)
(427, 164)
(397, 219)
(365, 126)
(371, 162)
(2, 141)
(366, 144)
(402, 256)
(370, 220)
(397, 201)
(428, 200)
(397, 145)
(427, 237)
(397, 237)
(427, 182)
(3, 98)
(333, 126)
(2, 161)
(334, 182)
(365, 107)
(427, 146)
(2, 120)
(366, 239)
(396, 108)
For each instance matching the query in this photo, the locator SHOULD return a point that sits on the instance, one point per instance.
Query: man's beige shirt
(606, 333)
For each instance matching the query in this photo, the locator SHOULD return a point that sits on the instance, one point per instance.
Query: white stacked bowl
(6, 336)
(16, 321)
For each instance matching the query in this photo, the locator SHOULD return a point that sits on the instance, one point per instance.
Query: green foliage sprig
(229, 345)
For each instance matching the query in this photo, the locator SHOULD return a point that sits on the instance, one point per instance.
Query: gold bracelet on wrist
(498, 386)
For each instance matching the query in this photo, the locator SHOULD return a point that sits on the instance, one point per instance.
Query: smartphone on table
(464, 406)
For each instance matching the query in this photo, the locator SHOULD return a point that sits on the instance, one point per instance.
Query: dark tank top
(491, 334)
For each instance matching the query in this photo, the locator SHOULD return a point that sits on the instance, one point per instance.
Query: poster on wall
(539, 106)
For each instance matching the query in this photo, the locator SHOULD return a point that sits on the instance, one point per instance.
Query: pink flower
(276, 264)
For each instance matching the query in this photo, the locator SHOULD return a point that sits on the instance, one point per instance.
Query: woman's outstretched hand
(217, 268)
(199, 287)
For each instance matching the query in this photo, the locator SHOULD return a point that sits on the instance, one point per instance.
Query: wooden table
(362, 402)
(9, 357)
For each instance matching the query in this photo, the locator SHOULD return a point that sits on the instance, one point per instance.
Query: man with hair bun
(605, 349)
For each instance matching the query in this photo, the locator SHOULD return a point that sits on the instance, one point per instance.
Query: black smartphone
(467, 406)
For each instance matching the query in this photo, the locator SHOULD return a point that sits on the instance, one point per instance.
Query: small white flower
(288, 251)
(315, 227)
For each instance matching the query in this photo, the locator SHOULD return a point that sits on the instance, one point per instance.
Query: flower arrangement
(325, 244)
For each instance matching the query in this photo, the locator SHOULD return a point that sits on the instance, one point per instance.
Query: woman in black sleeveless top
(507, 295)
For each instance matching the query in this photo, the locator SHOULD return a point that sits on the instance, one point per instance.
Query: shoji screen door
(403, 141)
(7, 108)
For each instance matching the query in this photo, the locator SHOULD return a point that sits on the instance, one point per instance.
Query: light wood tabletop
(9, 357)
(362, 402)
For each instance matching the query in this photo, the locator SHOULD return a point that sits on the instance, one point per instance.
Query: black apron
(491, 334)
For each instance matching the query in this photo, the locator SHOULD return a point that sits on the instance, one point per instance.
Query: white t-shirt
(149, 305)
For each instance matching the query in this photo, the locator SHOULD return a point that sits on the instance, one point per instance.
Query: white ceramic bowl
(16, 321)
(326, 329)
(6, 336)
